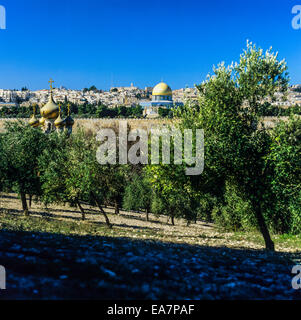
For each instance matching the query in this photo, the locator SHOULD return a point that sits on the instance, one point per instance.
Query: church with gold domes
(51, 119)
(161, 98)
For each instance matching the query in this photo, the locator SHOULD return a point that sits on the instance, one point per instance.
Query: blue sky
(116, 42)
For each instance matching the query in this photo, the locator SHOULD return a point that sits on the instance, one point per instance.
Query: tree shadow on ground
(9, 196)
(89, 211)
(44, 214)
(56, 266)
(122, 225)
(49, 215)
(142, 218)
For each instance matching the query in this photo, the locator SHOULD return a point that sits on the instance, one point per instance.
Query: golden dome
(34, 122)
(50, 110)
(162, 89)
(42, 121)
(59, 122)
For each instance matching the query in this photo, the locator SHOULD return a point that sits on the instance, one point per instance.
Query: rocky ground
(47, 257)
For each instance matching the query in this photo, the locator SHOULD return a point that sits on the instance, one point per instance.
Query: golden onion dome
(42, 121)
(34, 122)
(59, 122)
(162, 89)
(50, 110)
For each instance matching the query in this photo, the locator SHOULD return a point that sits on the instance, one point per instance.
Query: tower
(50, 112)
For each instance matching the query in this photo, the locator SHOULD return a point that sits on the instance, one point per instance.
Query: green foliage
(236, 212)
(136, 112)
(138, 194)
(268, 110)
(260, 75)
(157, 206)
(15, 112)
(21, 146)
(92, 88)
(105, 112)
(173, 191)
(70, 172)
(165, 112)
(53, 164)
(207, 204)
(113, 178)
(230, 101)
(284, 166)
(67, 168)
(83, 111)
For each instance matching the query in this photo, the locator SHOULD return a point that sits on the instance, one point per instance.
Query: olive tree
(138, 194)
(70, 172)
(112, 179)
(21, 146)
(236, 142)
(173, 190)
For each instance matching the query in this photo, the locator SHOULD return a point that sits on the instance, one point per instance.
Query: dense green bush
(207, 204)
(138, 195)
(236, 212)
(283, 205)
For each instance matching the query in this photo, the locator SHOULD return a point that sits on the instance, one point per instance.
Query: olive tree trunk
(269, 244)
(102, 211)
(116, 207)
(24, 204)
(82, 211)
(173, 220)
(30, 201)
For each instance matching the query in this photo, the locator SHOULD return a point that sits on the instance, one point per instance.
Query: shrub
(236, 213)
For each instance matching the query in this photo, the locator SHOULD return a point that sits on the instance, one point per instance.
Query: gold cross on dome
(51, 82)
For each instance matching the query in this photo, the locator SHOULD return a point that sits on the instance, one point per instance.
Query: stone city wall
(94, 125)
